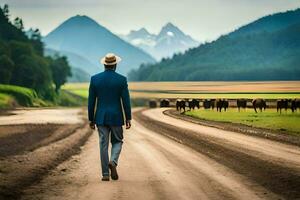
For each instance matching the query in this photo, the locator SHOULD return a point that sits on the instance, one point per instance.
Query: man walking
(108, 92)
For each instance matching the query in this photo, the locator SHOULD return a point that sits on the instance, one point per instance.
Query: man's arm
(126, 104)
(91, 105)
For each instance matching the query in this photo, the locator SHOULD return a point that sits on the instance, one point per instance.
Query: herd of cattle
(223, 104)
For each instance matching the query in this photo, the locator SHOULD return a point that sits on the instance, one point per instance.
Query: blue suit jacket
(109, 89)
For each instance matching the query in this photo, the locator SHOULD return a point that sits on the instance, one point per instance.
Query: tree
(6, 69)
(18, 23)
(60, 71)
(36, 40)
(5, 11)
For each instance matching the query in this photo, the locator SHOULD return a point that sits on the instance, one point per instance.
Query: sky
(204, 20)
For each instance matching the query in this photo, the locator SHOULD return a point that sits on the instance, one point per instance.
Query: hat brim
(118, 59)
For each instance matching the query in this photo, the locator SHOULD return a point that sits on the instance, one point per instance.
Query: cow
(221, 103)
(209, 103)
(241, 103)
(295, 104)
(194, 103)
(282, 103)
(152, 104)
(259, 103)
(164, 103)
(180, 104)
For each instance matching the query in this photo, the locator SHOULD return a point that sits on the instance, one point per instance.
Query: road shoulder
(240, 128)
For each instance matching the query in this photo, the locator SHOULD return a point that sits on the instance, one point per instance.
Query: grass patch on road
(270, 119)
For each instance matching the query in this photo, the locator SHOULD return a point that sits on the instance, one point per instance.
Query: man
(108, 91)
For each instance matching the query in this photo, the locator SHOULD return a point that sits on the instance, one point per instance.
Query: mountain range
(84, 42)
(266, 49)
(168, 41)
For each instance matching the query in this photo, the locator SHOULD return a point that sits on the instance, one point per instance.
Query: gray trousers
(116, 137)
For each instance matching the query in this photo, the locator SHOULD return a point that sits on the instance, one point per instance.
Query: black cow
(164, 103)
(222, 103)
(241, 103)
(295, 104)
(194, 103)
(259, 103)
(180, 104)
(209, 103)
(152, 104)
(282, 103)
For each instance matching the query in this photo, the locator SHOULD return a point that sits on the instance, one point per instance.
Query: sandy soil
(42, 116)
(217, 86)
(221, 165)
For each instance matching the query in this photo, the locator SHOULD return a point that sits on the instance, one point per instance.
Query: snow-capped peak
(170, 33)
(168, 41)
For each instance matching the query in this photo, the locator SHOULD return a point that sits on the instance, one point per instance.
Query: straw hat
(110, 59)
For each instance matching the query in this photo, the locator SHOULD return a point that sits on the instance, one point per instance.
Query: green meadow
(270, 119)
(12, 96)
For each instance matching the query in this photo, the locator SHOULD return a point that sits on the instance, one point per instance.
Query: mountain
(267, 49)
(82, 36)
(169, 40)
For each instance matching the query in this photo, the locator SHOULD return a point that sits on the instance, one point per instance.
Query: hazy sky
(202, 19)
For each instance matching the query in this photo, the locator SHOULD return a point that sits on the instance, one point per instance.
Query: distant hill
(86, 38)
(81, 67)
(170, 40)
(267, 49)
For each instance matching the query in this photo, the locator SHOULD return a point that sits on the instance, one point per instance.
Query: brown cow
(259, 103)
(282, 103)
(152, 104)
(164, 103)
(241, 103)
(295, 104)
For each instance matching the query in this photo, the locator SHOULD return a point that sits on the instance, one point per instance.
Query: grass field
(267, 90)
(6, 101)
(16, 94)
(270, 119)
(12, 96)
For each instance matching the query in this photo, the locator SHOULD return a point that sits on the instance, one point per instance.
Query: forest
(267, 49)
(22, 59)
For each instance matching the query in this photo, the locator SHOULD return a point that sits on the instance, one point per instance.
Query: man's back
(109, 88)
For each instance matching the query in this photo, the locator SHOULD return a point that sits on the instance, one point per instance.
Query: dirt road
(35, 141)
(206, 163)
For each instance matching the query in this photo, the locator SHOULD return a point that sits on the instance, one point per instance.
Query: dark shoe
(113, 169)
(105, 178)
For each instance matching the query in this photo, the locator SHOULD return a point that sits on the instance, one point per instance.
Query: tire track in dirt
(19, 139)
(21, 171)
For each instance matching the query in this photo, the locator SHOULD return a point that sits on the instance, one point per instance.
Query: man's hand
(92, 125)
(128, 124)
